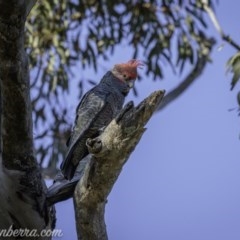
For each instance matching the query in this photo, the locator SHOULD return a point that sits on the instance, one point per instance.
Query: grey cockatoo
(96, 109)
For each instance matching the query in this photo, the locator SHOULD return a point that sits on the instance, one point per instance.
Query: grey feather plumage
(63, 189)
(94, 112)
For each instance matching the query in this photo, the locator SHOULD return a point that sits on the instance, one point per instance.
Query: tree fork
(110, 152)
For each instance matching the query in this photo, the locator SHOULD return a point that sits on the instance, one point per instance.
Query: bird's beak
(130, 84)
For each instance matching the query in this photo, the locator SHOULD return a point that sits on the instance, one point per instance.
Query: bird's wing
(93, 104)
(83, 104)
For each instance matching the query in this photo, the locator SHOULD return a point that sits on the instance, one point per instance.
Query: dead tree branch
(110, 152)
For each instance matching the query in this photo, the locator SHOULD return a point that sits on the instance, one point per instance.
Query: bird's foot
(125, 109)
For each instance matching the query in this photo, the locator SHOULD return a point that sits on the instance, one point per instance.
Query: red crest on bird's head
(129, 67)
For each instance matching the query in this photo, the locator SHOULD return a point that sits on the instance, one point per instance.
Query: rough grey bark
(22, 189)
(109, 151)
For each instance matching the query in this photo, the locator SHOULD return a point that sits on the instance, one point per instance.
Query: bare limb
(185, 84)
(110, 152)
(194, 74)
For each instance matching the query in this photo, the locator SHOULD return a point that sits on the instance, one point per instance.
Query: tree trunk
(109, 151)
(22, 189)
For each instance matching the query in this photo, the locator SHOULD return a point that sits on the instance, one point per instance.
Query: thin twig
(217, 25)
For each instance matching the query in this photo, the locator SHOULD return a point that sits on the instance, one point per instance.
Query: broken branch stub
(109, 153)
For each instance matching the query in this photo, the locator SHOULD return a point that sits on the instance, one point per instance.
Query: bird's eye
(126, 77)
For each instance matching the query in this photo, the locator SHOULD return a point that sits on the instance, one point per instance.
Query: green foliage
(233, 66)
(63, 35)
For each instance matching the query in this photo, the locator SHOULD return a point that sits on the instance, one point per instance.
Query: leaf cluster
(62, 36)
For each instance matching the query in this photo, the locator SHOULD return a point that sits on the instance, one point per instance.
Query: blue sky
(182, 182)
